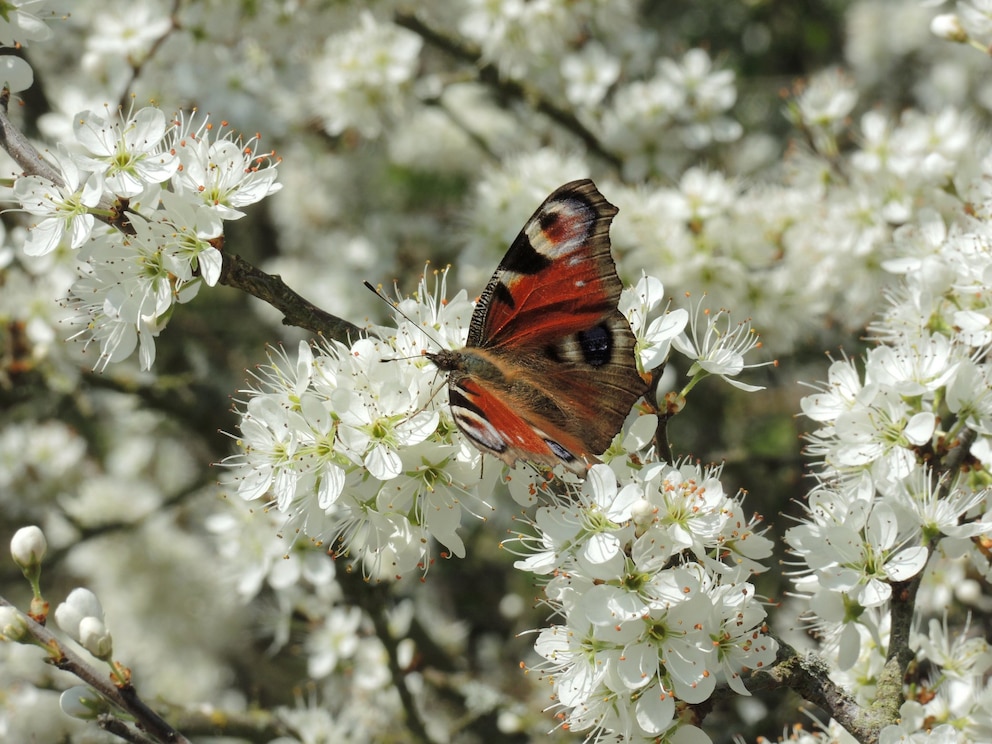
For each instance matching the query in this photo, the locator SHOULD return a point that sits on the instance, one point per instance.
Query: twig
(372, 599)
(297, 311)
(809, 676)
(236, 271)
(126, 697)
(121, 730)
(156, 44)
(254, 725)
(20, 148)
(515, 89)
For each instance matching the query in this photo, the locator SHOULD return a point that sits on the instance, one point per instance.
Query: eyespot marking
(480, 431)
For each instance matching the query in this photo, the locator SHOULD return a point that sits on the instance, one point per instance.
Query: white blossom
(363, 78)
(81, 617)
(28, 546)
(129, 154)
(63, 210)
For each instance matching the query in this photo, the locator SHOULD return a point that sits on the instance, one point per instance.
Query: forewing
(558, 276)
(549, 371)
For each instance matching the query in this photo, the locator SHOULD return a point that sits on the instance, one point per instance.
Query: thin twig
(136, 66)
(513, 89)
(372, 599)
(20, 148)
(236, 271)
(297, 311)
(121, 730)
(126, 697)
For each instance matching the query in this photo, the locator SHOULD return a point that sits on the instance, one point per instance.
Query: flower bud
(28, 546)
(948, 26)
(95, 638)
(642, 513)
(81, 617)
(80, 702)
(12, 624)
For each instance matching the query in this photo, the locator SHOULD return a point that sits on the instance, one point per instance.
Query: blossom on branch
(164, 242)
(655, 610)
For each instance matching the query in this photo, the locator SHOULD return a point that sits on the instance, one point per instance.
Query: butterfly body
(548, 373)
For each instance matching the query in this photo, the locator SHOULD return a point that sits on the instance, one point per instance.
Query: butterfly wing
(549, 373)
(489, 418)
(557, 278)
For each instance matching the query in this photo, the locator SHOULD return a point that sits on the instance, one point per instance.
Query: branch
(255, 725)
(516, 89)
(121, 730)
(125, 697)
(956, 457)
(372, 600)
(138, 64)
(20, 148)
(297, 311)
(236, 271)
(809, 677)
(889, 694)
(891, 680)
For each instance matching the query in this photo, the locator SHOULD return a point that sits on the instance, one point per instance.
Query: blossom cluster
(167, 187)
(649, 571)
(415, 130)
(352, 445)
(903, 447)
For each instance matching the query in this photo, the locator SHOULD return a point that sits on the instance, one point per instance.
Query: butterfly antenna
(377, 291)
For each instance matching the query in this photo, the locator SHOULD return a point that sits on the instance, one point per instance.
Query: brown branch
(125, 697)
(297, 311)
(255, 725)
(514, 89)
(956, 457)
(236, 271)
(20, 148)
(121, 730)
(889, 684)
(809, 677)
(372, 600)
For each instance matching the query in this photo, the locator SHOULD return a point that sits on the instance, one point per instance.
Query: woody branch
(237, 272)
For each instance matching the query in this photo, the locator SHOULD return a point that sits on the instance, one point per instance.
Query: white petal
(210, 263)
(849, 646)
(875, 593)
(920, 428)
(655, 711)
(601, 548)
(638, 665)
(744, 386)
(44, 237)
(883, 527)
(906, 563)
(383, 463)
(417, 428)
(16, 73)
(601, 485)
(330, 486)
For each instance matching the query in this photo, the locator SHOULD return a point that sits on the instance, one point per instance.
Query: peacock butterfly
(548, 374)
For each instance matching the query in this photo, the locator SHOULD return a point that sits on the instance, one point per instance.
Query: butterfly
(548, 373)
